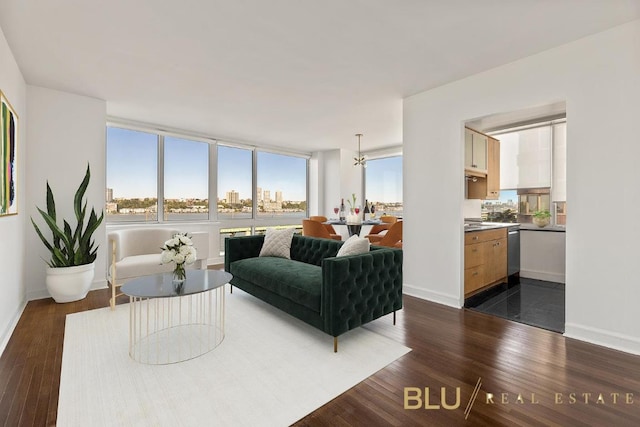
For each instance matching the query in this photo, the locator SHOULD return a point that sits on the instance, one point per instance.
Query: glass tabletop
(161, 285)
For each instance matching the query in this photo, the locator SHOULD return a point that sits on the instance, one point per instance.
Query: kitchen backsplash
(472, 208)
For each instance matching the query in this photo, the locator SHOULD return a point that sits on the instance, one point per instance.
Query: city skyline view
(132, 173)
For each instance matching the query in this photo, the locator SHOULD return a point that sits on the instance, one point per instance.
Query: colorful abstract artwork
(8, 145)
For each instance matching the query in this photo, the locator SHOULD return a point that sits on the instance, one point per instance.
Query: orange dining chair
(376, 230)
(316, 229)
(323, 219)
(389, 219)
(392, 238)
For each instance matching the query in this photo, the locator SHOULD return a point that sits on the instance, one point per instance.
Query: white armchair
(136, 252)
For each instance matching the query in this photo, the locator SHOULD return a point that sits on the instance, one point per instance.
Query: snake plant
(70, 247)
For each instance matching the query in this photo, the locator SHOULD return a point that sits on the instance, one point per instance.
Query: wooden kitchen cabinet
(493, 169)
(475, 150)
(485, 259)
(485, 184)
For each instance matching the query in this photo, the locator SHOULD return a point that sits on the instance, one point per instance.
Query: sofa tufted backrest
(313, 250)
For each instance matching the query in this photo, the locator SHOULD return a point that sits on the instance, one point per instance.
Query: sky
(383, 179)
(132, 168)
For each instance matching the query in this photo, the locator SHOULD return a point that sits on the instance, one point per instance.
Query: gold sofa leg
(394, 317)
(335, 344)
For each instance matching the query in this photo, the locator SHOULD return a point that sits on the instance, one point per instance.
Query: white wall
(66, 132)
(341, 179)
(12, 228)
(598, 78)
(543, 255)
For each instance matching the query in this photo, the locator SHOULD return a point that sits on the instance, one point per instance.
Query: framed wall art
(8, 162)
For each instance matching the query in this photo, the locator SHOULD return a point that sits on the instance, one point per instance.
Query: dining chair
(316, 229)
(377, 229)
(323, 219)
(389, 219)
(391, 238)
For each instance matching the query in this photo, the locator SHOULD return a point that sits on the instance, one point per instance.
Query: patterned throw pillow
(277, 243)
(354, 246)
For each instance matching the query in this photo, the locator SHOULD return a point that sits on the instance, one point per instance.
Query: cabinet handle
(475, 273)
(498, 244)
(474, 250)
(474, 238)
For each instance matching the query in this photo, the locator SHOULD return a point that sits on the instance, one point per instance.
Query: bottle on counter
(342, 210)
(366, 210)
(373, 210)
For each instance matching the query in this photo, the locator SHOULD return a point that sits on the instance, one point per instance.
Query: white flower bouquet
(180, 250)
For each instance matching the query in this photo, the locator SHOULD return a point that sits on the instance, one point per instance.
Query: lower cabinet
(485, 259)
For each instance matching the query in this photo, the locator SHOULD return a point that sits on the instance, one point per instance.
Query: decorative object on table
(541, 218)
(373, 211)
(342, 210)
(352, 204)
(180, 250)
(360, 160)
(73, 252)
(8, 142)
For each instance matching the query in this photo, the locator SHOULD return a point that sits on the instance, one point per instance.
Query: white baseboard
(602, 337)
(543, 275)
(43, 293)
(6, 334)
(437, 297)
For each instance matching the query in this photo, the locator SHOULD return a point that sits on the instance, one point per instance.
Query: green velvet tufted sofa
(332, 294)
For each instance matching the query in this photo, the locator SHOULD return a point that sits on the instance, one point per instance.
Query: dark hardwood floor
(451, 348)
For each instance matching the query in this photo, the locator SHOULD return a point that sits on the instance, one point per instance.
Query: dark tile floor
(533, 302)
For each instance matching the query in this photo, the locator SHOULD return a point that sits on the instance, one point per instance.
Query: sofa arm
(237, 248)
(360, 288)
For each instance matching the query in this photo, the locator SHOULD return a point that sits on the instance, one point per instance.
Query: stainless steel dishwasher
(513, 253)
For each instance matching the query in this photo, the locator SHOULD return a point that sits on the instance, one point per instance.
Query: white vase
(66, 284)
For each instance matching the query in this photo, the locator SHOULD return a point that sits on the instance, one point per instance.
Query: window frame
(213, 143)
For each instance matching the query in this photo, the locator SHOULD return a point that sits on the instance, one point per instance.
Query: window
(186, 179)
(383, 185)
(132, 172)
(281, 186)
(235, 182)
(532, 174)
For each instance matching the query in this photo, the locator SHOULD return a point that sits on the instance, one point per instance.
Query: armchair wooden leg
(112, 301)
(335, 344)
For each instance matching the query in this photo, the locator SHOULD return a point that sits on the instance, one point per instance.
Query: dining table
(348, 229)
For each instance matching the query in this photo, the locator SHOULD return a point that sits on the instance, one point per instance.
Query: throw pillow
(277, 243)
(354, 246)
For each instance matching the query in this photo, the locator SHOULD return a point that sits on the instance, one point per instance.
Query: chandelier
(359, 161)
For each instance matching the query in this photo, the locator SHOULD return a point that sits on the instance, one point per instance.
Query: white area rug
(271, 369)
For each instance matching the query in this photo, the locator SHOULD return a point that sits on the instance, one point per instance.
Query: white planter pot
(66, 284)
(541, 222)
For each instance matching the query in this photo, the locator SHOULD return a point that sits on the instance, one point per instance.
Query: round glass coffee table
(169, 323)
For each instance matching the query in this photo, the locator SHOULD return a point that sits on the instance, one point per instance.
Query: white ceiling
(299, 74)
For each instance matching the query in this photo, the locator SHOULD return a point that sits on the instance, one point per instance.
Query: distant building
(233, 197)
(279, 197)
(267, 196)
(259, 194)
(109, 195)
(111, 207)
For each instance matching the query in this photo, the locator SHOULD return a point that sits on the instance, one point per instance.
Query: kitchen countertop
(481, 226)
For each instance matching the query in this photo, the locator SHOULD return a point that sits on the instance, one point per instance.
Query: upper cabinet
(482, 165)
(475, 150)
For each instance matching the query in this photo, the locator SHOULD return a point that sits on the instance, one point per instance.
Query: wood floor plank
(450, 348)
